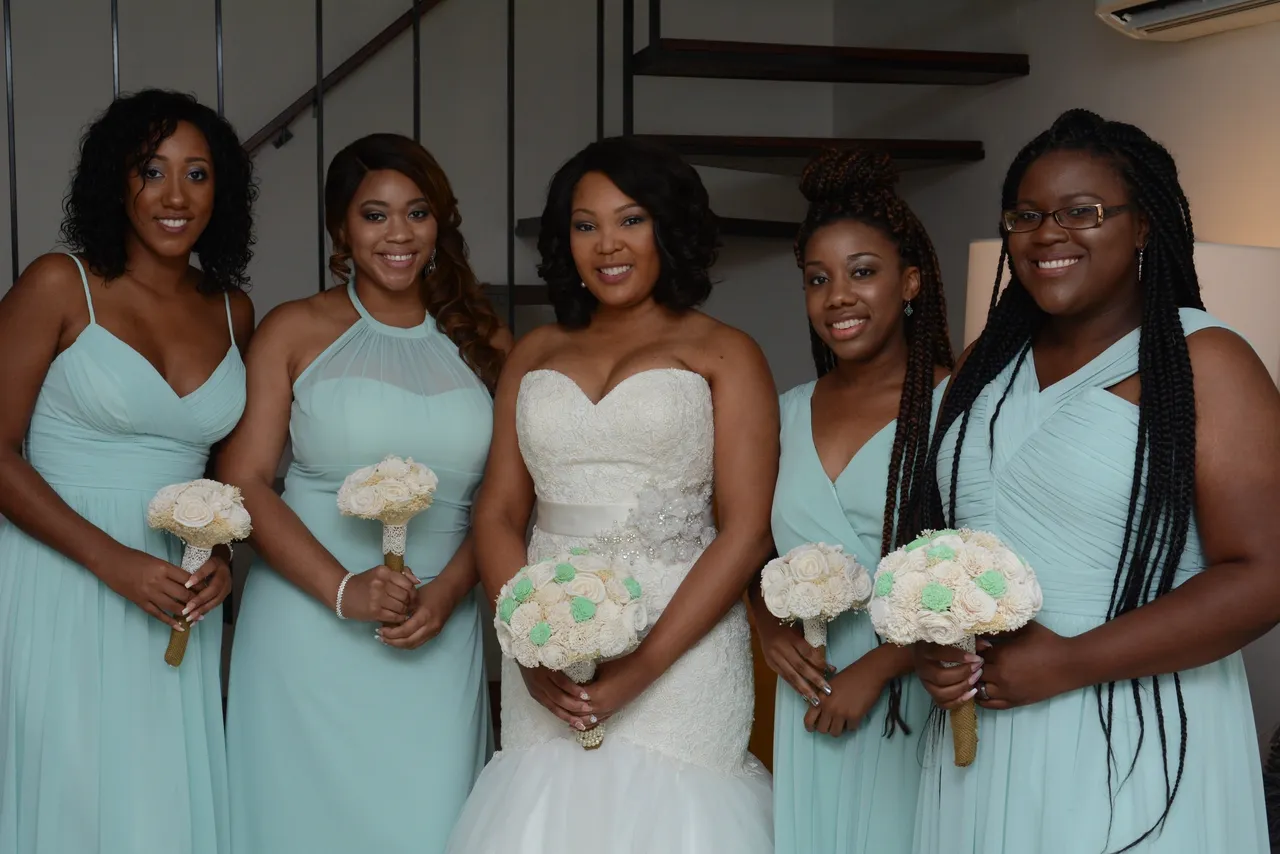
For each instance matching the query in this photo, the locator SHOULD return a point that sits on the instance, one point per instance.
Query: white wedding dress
(630, 476)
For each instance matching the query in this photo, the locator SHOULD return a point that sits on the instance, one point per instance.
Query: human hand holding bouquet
(391, 492)
(947, 588)
(814, 583)
(567, 613)
(203, 514)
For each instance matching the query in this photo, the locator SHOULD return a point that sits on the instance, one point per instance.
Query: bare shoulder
(295, 326)
(53, 283)
(725, 349)
(534, 347)
(242, 315)
(1228, 374)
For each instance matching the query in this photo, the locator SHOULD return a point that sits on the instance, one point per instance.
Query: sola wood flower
(947, 588)
(814, 583)
(567, 613)
(391, 492)
(203, 514)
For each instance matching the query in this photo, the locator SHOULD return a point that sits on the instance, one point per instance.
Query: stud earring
(908, 310)
(584, 284)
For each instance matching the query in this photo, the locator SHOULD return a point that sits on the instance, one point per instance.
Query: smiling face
(169, 200)
(1078, 272)
(613, 244)
(855, 289)
(389, 230)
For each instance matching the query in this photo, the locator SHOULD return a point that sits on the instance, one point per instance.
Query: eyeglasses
(1074, 217)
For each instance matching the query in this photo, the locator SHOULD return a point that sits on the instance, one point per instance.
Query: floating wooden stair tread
(788, 155)
(825, 63)
(524, 294)
(729, 227)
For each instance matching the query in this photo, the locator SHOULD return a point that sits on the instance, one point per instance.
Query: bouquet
(203, 514)
(814, 583)
(391, 492)
(568, 612)
(948, 587)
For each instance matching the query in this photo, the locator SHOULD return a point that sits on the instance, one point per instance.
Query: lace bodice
(632, 475)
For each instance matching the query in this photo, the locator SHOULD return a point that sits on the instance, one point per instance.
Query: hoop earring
(431, 264)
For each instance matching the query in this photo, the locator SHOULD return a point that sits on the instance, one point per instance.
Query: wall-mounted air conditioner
(1178, 20)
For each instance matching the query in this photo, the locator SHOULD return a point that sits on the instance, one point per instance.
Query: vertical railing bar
(320, 255)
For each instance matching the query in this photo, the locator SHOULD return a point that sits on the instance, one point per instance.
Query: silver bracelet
(342, 588)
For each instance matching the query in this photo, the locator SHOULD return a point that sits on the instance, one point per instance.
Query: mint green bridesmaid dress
(104, 748)
(336, 743)
(1056, 489)
(856, 793)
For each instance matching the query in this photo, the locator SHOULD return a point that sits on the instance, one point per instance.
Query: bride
(638, 422)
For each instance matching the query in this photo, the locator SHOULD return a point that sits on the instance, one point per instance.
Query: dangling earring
(431, 264)
(1141, 252)
(908, 310)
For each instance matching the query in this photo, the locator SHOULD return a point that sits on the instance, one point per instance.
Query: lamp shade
(1240, 286)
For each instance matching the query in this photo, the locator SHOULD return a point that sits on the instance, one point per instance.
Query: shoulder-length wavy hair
(451, 293)
(684, 226)
(118, 144)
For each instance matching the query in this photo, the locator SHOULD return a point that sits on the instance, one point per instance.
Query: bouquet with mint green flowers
(567, 613)
(948, 588)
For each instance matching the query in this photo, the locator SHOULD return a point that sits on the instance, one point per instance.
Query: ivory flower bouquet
(567, 613)
(391, 492)
(814, 583)
(203, 514)
(947, 587)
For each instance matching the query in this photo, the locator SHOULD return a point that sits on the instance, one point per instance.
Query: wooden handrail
(272, 129)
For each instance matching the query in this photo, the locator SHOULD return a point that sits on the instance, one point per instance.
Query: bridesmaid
(854, 444)
(121, 370)
(1121, 716)
(344, 735)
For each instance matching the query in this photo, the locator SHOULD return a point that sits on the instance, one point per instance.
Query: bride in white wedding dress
(636, 426)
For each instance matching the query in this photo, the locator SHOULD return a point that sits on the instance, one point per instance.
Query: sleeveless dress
(1056, 489)
(337, 743)
(104, 748)
(858, 792)
(673, 774)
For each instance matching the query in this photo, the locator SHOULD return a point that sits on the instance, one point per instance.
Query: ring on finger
(982, 692)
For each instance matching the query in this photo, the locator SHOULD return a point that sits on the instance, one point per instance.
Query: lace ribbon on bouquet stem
(394, 539)
(581, 673)
(193, 557)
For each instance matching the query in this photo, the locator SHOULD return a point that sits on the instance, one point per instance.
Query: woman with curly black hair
(122, 370)
(619, 429)
(854, 446)
(1128, 446)
(340, 663)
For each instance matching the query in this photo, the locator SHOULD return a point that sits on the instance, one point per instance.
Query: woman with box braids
(854, 449)
(1086, 455)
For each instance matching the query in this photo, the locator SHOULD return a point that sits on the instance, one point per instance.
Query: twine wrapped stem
(193, 557)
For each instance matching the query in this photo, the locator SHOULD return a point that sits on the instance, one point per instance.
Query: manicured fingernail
(584, 696)
(813, 701)
(973, 692)
(186, 610)
(191, 618)
(826, 689)
(971, 658)
(191, 582)
(579, 726)
(831, 669)
(180, 627)
(199, 618)
(976, 666)
(973, 680)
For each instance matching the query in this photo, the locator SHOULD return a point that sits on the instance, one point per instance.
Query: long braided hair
(858, 185)
(1159, 514)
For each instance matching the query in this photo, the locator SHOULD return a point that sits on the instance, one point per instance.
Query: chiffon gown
(857, 792)
(337, 743)
(104, 748)
(1056, 489)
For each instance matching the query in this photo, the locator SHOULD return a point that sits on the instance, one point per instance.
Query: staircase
(729, 60)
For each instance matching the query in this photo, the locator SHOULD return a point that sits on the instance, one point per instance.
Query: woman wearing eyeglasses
(1128, 446)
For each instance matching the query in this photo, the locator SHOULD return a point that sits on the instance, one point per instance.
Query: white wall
(1211, 101)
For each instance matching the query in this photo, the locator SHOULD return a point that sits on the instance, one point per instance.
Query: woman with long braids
(357, 714)
(1128, 446)
(854, 449)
